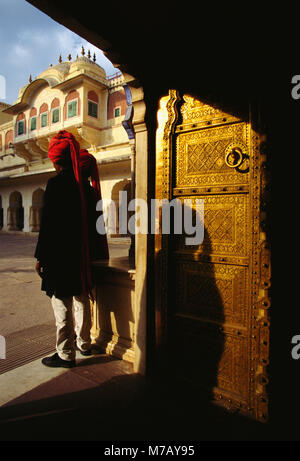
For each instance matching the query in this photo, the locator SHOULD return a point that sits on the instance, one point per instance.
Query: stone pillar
(1, 214)
(5, 199)
(35, 210)
(26, 207)
(128, 126)
(35, 218)
(141, 240)
(141, 256)
(132, 195)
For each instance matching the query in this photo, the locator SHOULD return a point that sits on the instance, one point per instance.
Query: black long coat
(59, 244)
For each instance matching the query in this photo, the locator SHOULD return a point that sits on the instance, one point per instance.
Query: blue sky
(30, 41)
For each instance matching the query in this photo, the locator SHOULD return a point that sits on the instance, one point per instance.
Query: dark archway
(119, 187)
(36, 210)
(15, 212)
(1, 213)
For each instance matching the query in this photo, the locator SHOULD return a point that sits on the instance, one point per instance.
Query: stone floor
(22, 303)
(103, 400)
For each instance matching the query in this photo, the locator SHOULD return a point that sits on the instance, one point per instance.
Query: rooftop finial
(89, 54)
(60, 59)
(94, 57)
(82, 51)
(30, 78)
(69, 57)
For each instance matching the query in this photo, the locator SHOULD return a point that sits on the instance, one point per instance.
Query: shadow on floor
(102, 400)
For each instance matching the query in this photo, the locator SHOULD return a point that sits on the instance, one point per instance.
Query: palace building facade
(77, 96)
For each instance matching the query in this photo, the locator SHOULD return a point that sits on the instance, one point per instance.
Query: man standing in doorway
(63, 251)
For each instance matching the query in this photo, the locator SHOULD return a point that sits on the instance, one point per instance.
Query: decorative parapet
(115, 80)
(89, 137)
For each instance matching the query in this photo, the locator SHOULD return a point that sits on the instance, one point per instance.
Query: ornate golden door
(212, 298)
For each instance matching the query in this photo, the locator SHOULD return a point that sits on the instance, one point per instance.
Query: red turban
(88, 165)
(64, 148)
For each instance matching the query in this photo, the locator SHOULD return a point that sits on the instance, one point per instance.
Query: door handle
(234, 157)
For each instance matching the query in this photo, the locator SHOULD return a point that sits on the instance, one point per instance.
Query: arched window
(55, 111)
(33, 119)
(44, 115)
(72, 105)
(117, 104)
(20, 124)
(93, 104)
(8, 138)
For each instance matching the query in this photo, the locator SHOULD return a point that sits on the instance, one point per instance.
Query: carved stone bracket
(34, 150)
(89, 138)
(21, 151)
(43, 144)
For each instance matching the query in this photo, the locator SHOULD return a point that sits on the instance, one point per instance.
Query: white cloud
(64, 40)
(19, 54)
(30, 41)
(37, 37)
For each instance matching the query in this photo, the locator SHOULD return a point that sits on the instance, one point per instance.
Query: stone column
(141, 240)
(5, 204)
(132, 237)
(27, 198)
(141, 255)
(128, 126)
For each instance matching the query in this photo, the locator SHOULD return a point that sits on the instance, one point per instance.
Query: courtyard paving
(22, 303)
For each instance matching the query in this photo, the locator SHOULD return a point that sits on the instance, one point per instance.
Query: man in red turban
(64, 252)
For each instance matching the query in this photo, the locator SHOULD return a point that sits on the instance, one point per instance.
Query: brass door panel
(227, 228)
(201, 156)
(215, 295)
(213, 292)
(212, 298)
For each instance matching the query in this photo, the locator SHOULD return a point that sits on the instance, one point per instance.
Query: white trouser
(67, 324)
